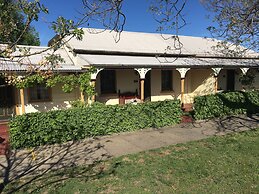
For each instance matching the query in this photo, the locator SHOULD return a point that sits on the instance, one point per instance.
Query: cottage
(156, 67)
(136, 67)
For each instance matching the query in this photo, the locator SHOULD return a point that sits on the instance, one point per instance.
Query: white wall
(198, 82)
(156, 92)
(222, 79)
(127, 80)
(60, 100)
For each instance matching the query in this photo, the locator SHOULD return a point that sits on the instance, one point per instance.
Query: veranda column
(182, 72)
(244, 70)
(182, 90)
(142, 73)
(93, 82)
(142, 89)
(216, 83)
(22, 101)
(216, 74)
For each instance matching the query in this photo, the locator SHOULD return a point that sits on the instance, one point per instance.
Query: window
(108, 81)
(166, 80)
(39, 93)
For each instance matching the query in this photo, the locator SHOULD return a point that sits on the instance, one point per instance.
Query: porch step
(4, 138)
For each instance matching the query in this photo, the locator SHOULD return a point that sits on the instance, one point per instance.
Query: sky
(138, 17)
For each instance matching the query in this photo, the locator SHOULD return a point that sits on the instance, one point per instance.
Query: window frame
(105, 82)
(170, 73)
(39, 100)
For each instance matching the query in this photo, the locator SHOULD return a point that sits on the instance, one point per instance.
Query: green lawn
(226, 164)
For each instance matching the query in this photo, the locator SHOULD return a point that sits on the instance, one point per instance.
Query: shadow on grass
(32, 165)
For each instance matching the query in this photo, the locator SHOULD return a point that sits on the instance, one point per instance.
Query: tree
(16, 17)
(13, 26)
(108, 12)
(236, 22)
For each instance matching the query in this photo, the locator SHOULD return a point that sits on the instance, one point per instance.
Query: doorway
(230, 80)
(147, 85)
(7, 101)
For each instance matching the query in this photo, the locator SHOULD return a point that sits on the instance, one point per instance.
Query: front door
(230, 80)
(6, 100)
(147, 85)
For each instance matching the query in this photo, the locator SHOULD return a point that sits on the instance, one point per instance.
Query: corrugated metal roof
(99, 40)
(14, 66)
(133, 50)
(141, 61)
(24, 63)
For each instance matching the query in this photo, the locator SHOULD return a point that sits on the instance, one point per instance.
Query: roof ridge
(147, 33)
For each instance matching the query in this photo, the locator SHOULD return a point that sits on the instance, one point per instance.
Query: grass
(224, 164)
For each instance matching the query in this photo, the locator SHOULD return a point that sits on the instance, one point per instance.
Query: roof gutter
(166, 66)
(142, 54)
(123, 53)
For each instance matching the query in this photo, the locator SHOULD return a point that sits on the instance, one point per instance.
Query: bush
(36, 129)
(228, 103)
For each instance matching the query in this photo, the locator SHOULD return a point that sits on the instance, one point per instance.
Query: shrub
(78, 104)
(226, 103)
(36, 129)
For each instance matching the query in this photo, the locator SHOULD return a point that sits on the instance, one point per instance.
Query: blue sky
(139, 19)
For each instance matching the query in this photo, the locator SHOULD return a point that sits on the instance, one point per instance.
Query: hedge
(35, 129)
(226, 103)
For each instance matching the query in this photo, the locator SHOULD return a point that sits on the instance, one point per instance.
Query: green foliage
(230, 25)
(84, 80)
(68, 82)
(222, 104)
(247, 80)
(54, 59)
(29, 81)
(79, 104)
(13, 25)
(63, 27)
(36, 129)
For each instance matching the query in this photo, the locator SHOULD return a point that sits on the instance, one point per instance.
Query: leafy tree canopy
(236, 22)
(13, 26)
